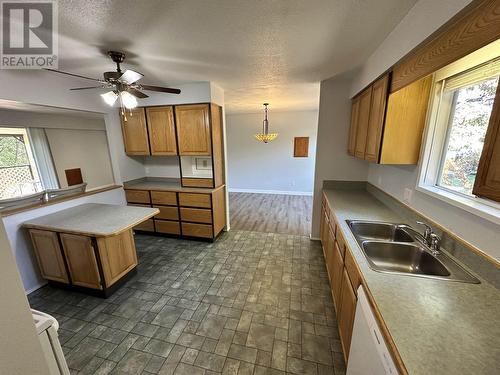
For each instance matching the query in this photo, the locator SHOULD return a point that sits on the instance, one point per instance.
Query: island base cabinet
(81, 260)
(49, 256)
(118, 256)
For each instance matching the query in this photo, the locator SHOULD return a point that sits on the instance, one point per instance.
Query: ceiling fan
(123, 86)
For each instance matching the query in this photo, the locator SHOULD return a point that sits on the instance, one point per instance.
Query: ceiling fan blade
(88, 88)
(74, 75)
(160, 89)
(136, 93)
(130, 77)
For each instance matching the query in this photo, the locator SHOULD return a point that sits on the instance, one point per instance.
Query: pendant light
(265, 136)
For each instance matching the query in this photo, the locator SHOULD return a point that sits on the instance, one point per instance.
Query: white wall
(84, 149)
(255, 166)
(20, 350)
(162, 166)
(19, 238)
(422, 20)
(332, 160)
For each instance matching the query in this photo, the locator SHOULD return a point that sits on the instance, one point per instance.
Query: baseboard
(281, 192)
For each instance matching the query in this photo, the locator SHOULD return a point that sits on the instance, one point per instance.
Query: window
(18, 173)
(463, 103)
(468, 120)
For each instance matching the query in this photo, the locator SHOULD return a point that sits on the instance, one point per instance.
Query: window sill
(475, 206)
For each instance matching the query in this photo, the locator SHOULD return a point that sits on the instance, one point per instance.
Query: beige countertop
(439, 327)
(159, 184)
(93, 219)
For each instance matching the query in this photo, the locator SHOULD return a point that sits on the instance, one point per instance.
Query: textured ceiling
(256, 50)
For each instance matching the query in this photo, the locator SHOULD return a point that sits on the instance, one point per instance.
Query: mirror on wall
(47, 148)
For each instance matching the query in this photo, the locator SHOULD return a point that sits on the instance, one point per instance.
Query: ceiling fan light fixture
(109, 98)
(265, 136)
(128, 100)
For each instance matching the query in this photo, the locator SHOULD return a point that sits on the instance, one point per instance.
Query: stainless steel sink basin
(404, 258)
(380, 231)
(396, 248)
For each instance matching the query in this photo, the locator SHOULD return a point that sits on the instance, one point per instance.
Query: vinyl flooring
(247, 304)
(271, 213)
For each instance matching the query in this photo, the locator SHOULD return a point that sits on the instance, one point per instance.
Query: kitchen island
(89, 247)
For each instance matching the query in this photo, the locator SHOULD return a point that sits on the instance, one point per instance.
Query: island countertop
(438, 327)
(93, 219)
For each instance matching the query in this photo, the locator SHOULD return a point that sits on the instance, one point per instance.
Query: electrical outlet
(407, 195)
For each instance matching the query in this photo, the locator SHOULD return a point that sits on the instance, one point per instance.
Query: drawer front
(195, 200)
(197, 230)
(147, 226)
(197, 215)
(137, 196)
(340, 241)
(169, 227)
(167, 213)
(168, 198)
(352, 270)
(198, 182)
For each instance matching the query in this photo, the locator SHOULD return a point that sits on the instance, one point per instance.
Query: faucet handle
(435, 243)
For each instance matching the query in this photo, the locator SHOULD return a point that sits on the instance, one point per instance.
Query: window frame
(435, 138)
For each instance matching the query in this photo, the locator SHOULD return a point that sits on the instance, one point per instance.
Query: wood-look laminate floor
(271, 213)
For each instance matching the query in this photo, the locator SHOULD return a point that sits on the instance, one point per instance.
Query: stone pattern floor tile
(250, 303)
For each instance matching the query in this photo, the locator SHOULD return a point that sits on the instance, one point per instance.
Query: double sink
(397, 248)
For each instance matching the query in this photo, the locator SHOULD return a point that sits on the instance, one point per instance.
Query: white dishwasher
(368, 354)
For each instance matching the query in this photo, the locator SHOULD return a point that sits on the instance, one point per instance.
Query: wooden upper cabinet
(405, 122)
(376, 119)
(363, 120)
(487, 182)
(351, 147)
(161, 129)
(135, 133)
(49, 256)
(193, 129)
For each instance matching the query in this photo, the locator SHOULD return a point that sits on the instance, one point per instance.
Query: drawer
(198, 182)
(167, 213)
(169, 227)
(197, 230)
(147, 226)
(197, 215)
(137, 196)
(168, 198)
(352, 270)
(195, 200)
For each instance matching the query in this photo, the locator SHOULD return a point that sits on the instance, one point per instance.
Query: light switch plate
(407, 195)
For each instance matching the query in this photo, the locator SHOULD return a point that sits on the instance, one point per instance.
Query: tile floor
(251, 303)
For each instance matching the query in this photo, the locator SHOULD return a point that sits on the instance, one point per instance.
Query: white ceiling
(256, 50)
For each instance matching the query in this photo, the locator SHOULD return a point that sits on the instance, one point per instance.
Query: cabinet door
(351, 147)
(117, 255)
(376, 120)
(81, 260)
(135, 134)
(346, 319)
(161, 130)
(330, 251)
(363, 118)
(336, 280)
(193, 129)
(49, 256)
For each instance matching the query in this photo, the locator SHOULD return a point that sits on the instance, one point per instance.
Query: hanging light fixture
(126, 100)
(265, 136)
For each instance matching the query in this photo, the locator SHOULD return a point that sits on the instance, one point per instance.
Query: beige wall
(84, 149)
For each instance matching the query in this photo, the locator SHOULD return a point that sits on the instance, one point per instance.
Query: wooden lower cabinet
(84, 261)
(167, 213)
(168, 227)
(118, 256)
(198, 182)
(199, 200)
(146, 226)
(336, 281)
(197, 230)
(81, 260)
(49, 255)
(329, 251)
(196, 215)
(347, 312)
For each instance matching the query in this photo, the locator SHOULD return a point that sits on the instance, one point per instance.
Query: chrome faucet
(431, 239)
